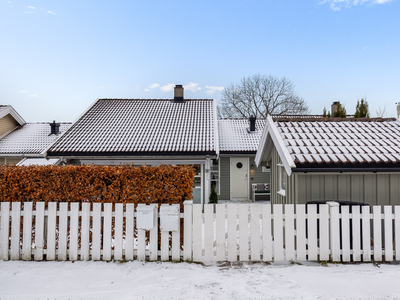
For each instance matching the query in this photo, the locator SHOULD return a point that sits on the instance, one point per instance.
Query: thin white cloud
(9, 1)
(24, 92)
(193, 87)
(51, 12)
(146, 90)
(31, 7)
(34, 96)
(337, 5)
(212, 89)
(168, 87)
(154, 85)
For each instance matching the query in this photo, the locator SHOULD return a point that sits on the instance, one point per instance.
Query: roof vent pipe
(178, 93)
(55, 127)
(252, 120)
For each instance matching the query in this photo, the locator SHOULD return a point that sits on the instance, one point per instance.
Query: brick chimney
(178, 94)
(55, 127)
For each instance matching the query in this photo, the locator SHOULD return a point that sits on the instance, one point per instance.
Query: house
(174, 131)
(236, 171)
(332, 159)
(22, 143)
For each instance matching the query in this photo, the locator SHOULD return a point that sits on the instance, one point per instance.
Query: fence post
(334, 230)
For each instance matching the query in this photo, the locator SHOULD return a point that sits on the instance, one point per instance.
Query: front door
(239, 178)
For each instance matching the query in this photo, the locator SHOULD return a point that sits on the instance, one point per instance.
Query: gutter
(342, 170)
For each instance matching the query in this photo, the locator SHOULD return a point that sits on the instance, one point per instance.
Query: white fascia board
(44, 152)
(141, 162)
(261, 146)
(216, 134)
(10, 110)
(271, 130)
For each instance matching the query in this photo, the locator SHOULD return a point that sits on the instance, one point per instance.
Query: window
(282, 179)
(214, 174)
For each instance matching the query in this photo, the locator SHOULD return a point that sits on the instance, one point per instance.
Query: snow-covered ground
(136, 280)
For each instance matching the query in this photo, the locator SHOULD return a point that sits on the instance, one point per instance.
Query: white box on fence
(146, 216)
(169, 217)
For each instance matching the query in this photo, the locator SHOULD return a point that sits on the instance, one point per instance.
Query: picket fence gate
(211, 233)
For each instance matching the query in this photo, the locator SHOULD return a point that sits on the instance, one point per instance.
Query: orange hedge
(116, 184)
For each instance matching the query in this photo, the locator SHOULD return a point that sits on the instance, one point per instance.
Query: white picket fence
(232, 232)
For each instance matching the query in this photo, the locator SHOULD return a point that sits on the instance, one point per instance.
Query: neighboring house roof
(331, 144)
(140, 127)
(234, 135)
(29, 139)
(8, 109)
(38, 162)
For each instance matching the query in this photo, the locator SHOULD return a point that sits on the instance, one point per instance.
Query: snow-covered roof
(38, 162)
(31, 138)
(130, 127)
(234, 135)
(342, 142)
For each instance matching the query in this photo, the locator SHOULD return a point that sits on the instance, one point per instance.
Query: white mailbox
(169, 217)
(146, 216)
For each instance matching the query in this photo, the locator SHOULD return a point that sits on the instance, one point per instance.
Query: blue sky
(57, 57)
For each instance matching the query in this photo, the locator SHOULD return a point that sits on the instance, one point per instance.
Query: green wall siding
(256, 176)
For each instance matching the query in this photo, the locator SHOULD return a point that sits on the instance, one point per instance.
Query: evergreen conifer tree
(362, 109)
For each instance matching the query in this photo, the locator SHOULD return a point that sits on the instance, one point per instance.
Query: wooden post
(187, 230)
(334, 230)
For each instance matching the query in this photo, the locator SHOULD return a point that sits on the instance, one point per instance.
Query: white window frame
(282, 180)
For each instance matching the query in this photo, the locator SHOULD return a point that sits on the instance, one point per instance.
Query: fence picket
(397, 231)
(107, 231)
(129, 231)
(208, 233)
(243, 232)
(73, 234)
(388, 233)
(15, 230)
(96, 234)
(27, 232)
(278, 232)
(164, 245)
(377, 217)
(312, 232)
(366, 233)
(197, 233)
(39, 231)
(356, 238)
(118, 229)
(154, 239)
(324, 250)
(255, 232)
(345, 234)
(85, 230)
(141, 240)
(176, 245)
(301, 232)
(187, 231)
(63, 232)
(220, 232)
(266, 233)
(335, 231)
(51, 230)
(4, 230)
(289, 232)
(232, 233)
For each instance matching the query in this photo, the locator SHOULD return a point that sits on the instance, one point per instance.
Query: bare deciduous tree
(261, 96)
(381, 112)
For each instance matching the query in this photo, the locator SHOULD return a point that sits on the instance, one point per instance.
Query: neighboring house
(332, 160)
(9, 121)
(145, 131)
(26, 142)
(235, 169)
